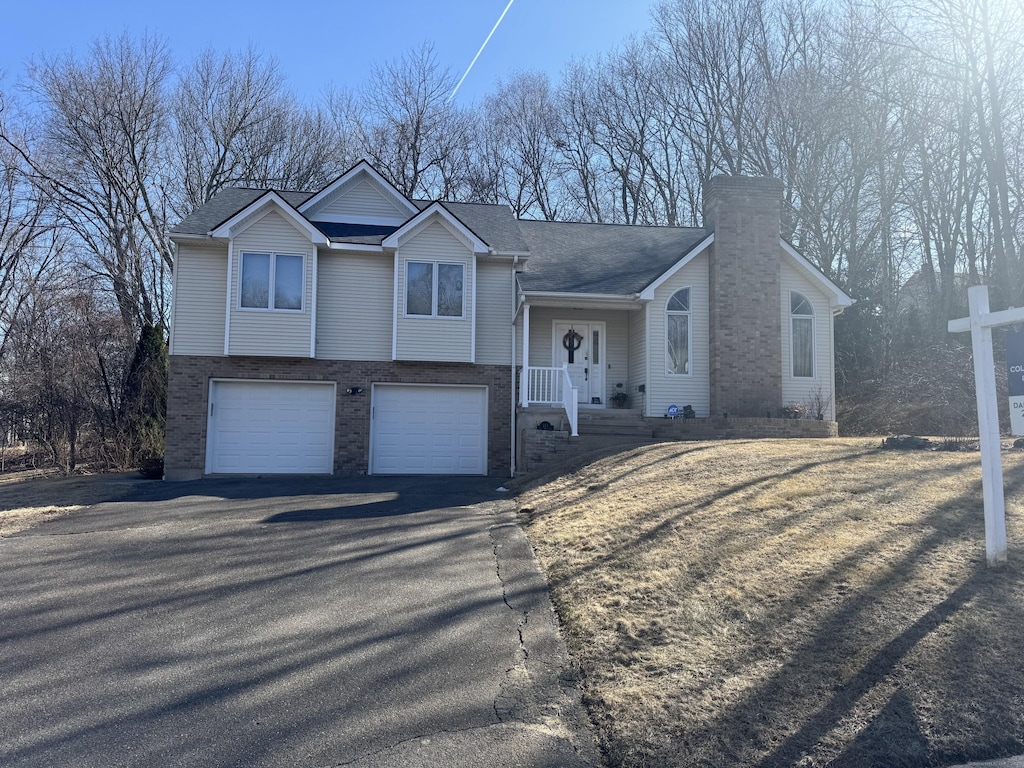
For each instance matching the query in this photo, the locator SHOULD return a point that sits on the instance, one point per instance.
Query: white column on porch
(524, 387)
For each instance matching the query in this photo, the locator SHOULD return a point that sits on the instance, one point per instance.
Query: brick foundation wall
(742, 428)
(189, 390)
(745, 272)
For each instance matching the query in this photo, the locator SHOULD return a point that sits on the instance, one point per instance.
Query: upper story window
(677, 331)
(435, 289)
(801, 324)
(271, 281)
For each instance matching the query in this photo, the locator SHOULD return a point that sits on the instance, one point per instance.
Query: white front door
(580, 347)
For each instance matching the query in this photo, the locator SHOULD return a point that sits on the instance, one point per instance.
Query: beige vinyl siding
(637, 347)
(435, 338)
(665, 389)
(803, 390)
(354, 306)
(363, 198)
(616, 365)
(265, 332)
(200, 285)
(494, 309)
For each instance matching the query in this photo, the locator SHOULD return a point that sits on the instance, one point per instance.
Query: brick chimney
(745, 214)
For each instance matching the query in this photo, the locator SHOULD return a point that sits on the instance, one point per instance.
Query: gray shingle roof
(564, 257)
(494, 224)
(225, 204)
(601, 258)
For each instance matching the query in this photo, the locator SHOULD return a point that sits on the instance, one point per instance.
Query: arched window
(801, 325)
(677, 331)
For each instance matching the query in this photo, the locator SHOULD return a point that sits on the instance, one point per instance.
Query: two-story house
(352, 330)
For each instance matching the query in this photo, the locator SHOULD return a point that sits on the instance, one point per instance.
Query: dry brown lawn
(29, 498)
(788, 603)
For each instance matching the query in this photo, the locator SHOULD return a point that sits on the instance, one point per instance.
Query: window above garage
(435, 289)
(272, 281)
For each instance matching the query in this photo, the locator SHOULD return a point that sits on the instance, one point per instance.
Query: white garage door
(270, 427)
(428, 430)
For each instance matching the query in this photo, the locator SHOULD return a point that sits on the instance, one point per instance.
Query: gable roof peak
(362, 168)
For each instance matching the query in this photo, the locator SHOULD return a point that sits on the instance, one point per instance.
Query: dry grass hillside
(780, 603)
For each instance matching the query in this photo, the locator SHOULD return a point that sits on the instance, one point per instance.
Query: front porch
(580, 358)
(606, 431)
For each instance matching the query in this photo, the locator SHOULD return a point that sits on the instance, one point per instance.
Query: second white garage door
(428, 430)
(270, 427)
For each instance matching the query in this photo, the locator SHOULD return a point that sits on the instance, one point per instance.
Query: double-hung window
(801, 323)
(435, 289)
(271, 281)
(677, 329)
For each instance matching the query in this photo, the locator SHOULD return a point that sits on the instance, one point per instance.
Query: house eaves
(438, 210)
(840, 299)
(270, 198)
(580, 300)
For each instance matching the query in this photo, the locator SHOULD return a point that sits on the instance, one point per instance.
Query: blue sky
(318, 43)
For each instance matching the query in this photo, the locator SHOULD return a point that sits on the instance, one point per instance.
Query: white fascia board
(582, 300)
(477, 245)
(648, 293)
(359, 168)
(271, 198)
(839, 296)
(179, 237)
(356, 248)
(501, 257)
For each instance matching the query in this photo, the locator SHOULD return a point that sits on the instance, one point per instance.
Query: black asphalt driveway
(298, 622)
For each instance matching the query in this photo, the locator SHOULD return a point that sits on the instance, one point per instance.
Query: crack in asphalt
(507, 701)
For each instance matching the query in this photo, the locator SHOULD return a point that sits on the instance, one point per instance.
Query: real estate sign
(1015, 369)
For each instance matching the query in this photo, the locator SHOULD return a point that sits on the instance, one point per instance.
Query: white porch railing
(552, 386)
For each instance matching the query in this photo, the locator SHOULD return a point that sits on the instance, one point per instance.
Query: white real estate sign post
(980, 324)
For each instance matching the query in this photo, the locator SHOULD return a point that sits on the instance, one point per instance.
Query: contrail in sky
(470, 67)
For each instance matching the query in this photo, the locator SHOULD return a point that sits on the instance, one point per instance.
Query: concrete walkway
(376, 622)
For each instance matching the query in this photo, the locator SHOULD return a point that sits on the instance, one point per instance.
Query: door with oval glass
(580, 346)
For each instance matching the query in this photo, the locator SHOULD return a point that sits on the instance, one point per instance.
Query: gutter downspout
(514, 399)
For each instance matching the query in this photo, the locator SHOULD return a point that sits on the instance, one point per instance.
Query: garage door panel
(271, 428)
(429, 430)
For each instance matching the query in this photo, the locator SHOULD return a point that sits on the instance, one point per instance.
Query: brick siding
(189, 389)
(745, 272)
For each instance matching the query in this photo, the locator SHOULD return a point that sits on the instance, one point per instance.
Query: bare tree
(517, 149)
(411, 132)
(29, 243)
(100, 159)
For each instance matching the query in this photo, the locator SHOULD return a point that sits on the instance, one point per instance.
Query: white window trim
(792, 346)
(433, 289)
(689, 335)
(273, 276)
